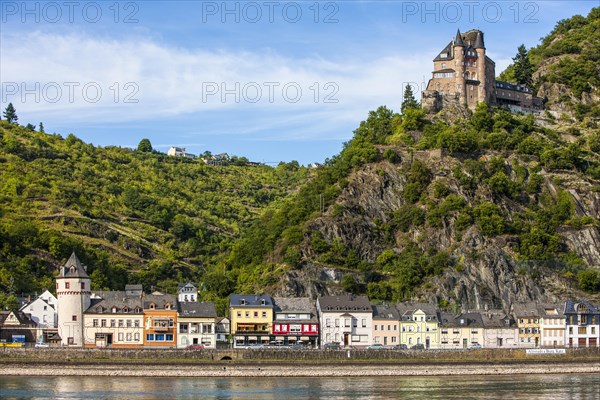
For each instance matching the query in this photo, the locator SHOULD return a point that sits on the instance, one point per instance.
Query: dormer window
(114, 310)
(138, 310)
(72, 270)
(125, 309)
(152, 306)
(243, 302)
(167, 306)
(262, 302)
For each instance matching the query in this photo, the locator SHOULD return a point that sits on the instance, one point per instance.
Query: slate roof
(458, 39)
(104, 301)
(550, 315)
(571, 307)
(479, 41)
(381, 312)
(197, 310)
(497, 319)
(284, 305)
(529, 310)
(182, 285)
(250, 300)
(159, 301)
(24, 319)
(471, 320)
(346, 302)
(406, 310)
(513, 86)
(73, 268)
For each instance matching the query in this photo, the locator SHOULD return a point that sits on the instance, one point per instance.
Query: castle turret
(459, 57)
(73, 292)
(480, 49)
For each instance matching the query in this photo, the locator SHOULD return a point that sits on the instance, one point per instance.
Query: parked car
(332, 346)
(195, 347)
(376, 346)
(475, 346)
(42, 345)
(418, 346)
(400, 347)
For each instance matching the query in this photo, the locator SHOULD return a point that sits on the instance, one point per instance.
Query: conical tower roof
(458, 41)
(479, 41)
(73, 268)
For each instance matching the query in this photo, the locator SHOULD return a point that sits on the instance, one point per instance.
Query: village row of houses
(80, 317)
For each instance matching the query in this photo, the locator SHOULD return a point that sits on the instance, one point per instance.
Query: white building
(43, 310)
(582, 324)
(196, 325)
(346, 320)
(187, 292)
(179, 152)
(73, 294)
(500, 330)
(553, 326)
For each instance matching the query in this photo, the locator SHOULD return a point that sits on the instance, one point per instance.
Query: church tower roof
(73, 268)
(479, 41)
(458, 41)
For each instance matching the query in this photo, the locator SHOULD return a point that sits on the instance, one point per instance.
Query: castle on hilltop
(464, 75)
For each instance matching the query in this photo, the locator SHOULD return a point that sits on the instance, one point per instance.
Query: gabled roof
(160, 301)
(385, 313)
(349, 303)
(470, 320)
(186, 285)
(406, 310)
(294, 304)
(250, 300)
(73, 268)
(22, 318)
(39, 299)
(197, 310)
(497, 319)
(447, 51)
(529, 310)
(105, 301)
(581, 306)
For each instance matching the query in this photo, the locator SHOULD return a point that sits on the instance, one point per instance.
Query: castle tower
(73, 292)
(481, 72)
(459, 57)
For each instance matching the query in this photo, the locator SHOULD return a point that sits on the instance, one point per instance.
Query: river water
(554, 387)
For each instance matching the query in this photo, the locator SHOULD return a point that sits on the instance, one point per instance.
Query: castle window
(67, 285)
(82, 285)
(443, 65)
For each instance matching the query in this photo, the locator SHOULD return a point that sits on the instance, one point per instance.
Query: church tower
(73, 292)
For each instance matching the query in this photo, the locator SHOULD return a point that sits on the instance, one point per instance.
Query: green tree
(30, 127)
(145, 146)
(589, 280)
(523, 70)
(42, 128)
(409, 100)
(11, 114)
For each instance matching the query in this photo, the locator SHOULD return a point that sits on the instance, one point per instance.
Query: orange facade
(160, 328)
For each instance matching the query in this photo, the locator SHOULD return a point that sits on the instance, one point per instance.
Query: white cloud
(168, 81)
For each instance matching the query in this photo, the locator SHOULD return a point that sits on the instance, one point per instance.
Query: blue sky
(270, 80)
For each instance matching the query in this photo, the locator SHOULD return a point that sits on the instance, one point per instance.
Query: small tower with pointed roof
(73, 292)
(459, 55)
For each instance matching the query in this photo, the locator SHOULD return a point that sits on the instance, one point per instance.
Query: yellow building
(528, 321)
(251, 319)
(461, 331)
(418, 325)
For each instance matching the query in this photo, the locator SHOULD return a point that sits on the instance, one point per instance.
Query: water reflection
(555, 387)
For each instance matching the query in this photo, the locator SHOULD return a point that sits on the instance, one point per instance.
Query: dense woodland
(139, 216)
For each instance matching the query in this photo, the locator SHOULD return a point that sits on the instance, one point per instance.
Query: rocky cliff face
(485, 272)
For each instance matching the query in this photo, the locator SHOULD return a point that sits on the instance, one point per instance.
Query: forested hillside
(131, 216)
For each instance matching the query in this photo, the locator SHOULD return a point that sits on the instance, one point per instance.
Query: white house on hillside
(43, 310)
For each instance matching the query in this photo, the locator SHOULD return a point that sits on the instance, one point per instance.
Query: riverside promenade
(277, 363)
